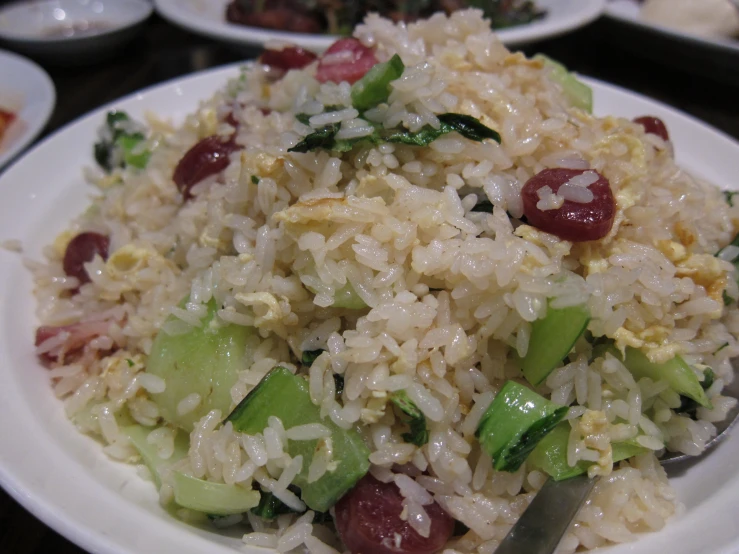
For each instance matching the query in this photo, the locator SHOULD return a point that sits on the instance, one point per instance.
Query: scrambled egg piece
(560, 248)
(375, 408)
(274, 311)
(593, 426)
(124, 268)
(332, 209)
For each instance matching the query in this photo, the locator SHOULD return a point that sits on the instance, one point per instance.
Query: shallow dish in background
(107, 507)
(28, 92)
(207, 17)
(716, 57)
(72, 32)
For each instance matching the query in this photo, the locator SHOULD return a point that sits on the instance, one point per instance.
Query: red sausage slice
(654, 126)
(573, 221)
(347, 59)
(206, 158)
(368, 521)
(291, 57)
(79, 334)
(82, 249)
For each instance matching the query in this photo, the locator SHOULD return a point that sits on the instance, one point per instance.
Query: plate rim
(725, 45)
(72, 526)
(257, 37)
(10, 154)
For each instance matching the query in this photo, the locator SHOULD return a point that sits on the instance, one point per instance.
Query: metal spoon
(542, 526)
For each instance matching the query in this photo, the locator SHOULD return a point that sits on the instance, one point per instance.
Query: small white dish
(65, 479)
(207, 17)
(72, 32)
(28, 92)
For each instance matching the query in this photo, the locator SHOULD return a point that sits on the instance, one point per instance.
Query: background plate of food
(27, 99)
(205, 183)
(699, 36)
(254, 23)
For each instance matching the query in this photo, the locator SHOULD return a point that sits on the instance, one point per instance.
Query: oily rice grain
(403, 270)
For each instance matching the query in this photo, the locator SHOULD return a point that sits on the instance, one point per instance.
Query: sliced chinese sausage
(368, 521)
(290, 57)
(77, 335)
(82, 249)
(347, 59)
(208, 157)
(653, 126)
(574, 220)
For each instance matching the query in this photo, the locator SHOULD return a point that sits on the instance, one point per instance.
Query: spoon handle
(543, 524)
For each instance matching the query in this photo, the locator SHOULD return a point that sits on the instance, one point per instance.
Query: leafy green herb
(270, 507)
(483, 206)
(120, 143)
(729, 196)
(304, 118)
(374, 88)
(309, 356)
(418, 434)
(339, 384)
(465, 125)
(720, 348)
(255, 179)
(129, 361)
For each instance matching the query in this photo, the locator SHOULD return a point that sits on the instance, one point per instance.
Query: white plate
(65, 479)
(627, 11)
(27, 91)
(206, 17)
(72, 32)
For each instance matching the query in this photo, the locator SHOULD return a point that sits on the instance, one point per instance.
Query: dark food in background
(338, 17)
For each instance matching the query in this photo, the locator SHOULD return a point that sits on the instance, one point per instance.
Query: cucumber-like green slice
(578, 93)
(205, 361)
(374, 88)
(514, 423)
(149, 454)
(212, 498)
(676, 372)
(552, 338)
(286, 396)
(550, 455)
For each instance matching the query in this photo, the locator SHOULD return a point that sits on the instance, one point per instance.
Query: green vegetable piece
(347, 297)
(148, 452)
(255, 180)
(419, 433)
(374, 88)
(678, 374)
(552, 338)
(131, 154)
(550, 455)
(270, 507)
(729, 196)
(465, 125)
(119, 144)
(286, 396)
(205, 360)
(577, 93)
(212, 498)
(514, 423)
(309, 356)
(320, 138)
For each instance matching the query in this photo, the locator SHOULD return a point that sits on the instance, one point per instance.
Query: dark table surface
(702, 83)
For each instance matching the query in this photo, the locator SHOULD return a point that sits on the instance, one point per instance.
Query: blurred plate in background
(714, 57)
(28, 92)
(72, 32)
(207, 17)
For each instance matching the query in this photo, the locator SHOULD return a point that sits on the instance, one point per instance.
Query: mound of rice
(450, 293)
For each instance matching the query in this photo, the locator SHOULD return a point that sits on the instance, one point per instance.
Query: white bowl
(72, 32)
